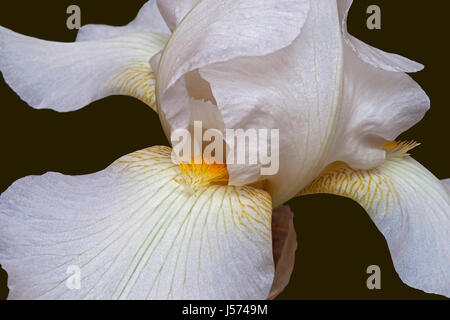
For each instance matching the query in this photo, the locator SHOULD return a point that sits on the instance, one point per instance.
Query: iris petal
(410, 206)
(133, 232)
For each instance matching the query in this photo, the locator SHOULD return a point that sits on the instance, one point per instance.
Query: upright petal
(133, 232)
(296, 90)
(217, 31)
(184, 107)
(69, 76)
(373, 56)
(410, 207)
(376, 106)
(149, 19)
(174, 11)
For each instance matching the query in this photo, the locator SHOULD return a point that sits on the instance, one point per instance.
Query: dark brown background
(337, 240)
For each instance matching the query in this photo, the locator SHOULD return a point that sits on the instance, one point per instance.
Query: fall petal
(68, 76)
(149, 19)
(135, 233)
(373, 56)
(411, 207)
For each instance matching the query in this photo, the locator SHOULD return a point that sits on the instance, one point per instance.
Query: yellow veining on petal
(201, 172)
(369, 188)
(251, 210)
(137, 80)
(399, 149)
(145, 161)
(247, 208)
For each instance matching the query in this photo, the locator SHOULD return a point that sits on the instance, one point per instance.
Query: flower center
(201, 172)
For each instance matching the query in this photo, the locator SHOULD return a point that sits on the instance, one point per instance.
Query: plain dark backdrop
(337, 240)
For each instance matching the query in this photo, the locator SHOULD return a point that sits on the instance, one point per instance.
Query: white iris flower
(134, 231)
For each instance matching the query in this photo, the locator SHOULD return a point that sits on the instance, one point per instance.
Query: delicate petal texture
(149, 19)
(296, 90)
(216, 31)
(284, 241)
(135, 233)
(373, 56)
(376, 106)
(410, 207)
(174, 11)
(69, 76)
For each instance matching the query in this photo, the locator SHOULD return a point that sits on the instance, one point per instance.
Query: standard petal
(373, 56)
(186, 108)
(411, 207)
(174, 11)
(376, 106)
(217, 31)
(284, 241)
(133, 232)
(149, 19)
(296, 90)
(69, 76)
